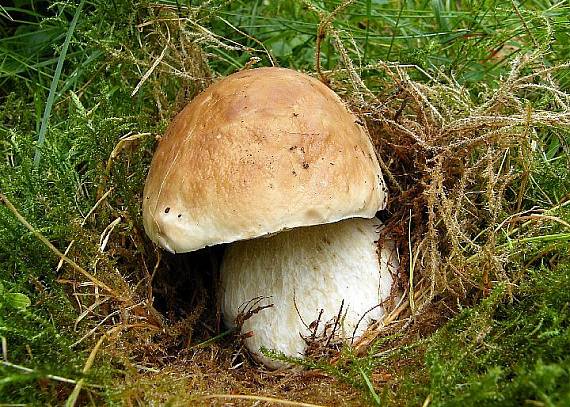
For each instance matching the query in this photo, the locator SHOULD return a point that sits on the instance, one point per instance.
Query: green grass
(471, 40)
(505, 350)
(53, 86)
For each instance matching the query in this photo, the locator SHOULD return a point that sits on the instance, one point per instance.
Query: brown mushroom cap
(258, 152)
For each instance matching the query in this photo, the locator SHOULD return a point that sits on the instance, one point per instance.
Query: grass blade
(368, 21)
(53, 87)
(371, 390)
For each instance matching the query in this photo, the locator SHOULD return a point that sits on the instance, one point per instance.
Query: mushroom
(273, 160)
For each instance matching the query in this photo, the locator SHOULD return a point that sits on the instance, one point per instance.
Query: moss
(503, 351)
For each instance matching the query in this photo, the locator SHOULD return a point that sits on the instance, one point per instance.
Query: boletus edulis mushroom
(273, 162)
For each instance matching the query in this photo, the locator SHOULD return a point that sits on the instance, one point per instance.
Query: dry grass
(458, 171)
(207, 377)
(458, 166)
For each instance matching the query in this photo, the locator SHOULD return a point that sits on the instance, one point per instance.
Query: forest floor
(468, 105)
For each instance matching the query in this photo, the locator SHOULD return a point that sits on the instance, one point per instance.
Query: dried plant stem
(129, 138)
(271, 400)
(92, 210)
(72, 399)
(45, 241)
(322, 29)
(28, 370)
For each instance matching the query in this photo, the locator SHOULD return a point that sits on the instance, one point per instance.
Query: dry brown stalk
(270, 400)
(4, 200)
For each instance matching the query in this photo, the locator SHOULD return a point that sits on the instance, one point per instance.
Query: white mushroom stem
(306, 273)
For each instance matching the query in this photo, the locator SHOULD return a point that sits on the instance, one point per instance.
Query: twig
(106, 234)
(322, 29)
(258, 42)
(523, 21)
(128, 138)
(336, 323)
(28, 370)
(100, 323)
(544, 213)
(60, 263)
(149, 71)
(4, 348)
(360, 321)
(412, 263)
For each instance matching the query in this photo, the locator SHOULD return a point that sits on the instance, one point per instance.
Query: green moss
(502, 352)
(41, 339)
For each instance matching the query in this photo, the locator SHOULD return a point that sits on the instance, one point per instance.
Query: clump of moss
(504, 351)
(82, 196)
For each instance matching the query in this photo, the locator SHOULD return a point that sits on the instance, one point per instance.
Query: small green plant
(16, 300)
